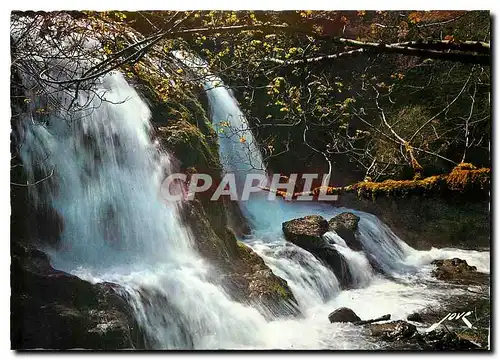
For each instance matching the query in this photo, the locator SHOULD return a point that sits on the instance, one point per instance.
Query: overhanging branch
(473, 52)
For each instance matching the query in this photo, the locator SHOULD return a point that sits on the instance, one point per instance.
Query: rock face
(249, 279)
(51, 309)
(307, 233)
(242, 273)
(394, 330)
(346, 225)
(343, 314)
(454, 269)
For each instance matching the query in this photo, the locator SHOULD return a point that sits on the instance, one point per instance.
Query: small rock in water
(453, 269)
(343, 314)
(393, 330)
(414, 317)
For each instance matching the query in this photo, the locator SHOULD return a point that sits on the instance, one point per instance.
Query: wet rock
(346, 225)
(240, 271)
(336, 262)
(414, 317)
(236, 220)
(394, 330)
(453, 269)
(306, 232)
(249, 279)
(343, 314)
(51, 309)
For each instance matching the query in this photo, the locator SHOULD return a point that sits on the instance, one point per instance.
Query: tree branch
(474, 52)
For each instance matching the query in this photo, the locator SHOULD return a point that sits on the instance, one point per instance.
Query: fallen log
(464, 179)
(364, 322)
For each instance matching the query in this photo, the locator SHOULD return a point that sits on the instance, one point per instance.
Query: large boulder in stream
(307, 232)
(51, 309)
(346, 226)
(343, 314)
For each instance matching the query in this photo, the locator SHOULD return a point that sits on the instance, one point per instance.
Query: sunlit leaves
(305, 13)
(326, 95)
(398, 76)
(414, 17)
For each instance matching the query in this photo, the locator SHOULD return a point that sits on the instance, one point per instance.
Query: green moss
(464, 180)
(247, 254)
(465, 177)
(191, 147)
(241, 245)
(401, 188)
(281, 291)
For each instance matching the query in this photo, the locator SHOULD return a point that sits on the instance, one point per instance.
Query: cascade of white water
(359, 266)
(117, 226)
(308, 278)
(106, 184)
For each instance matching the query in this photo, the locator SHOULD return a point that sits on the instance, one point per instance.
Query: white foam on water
(359, 266)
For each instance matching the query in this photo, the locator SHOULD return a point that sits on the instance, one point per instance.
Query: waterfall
(310, 281)
(358, 264)
(106, 185)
